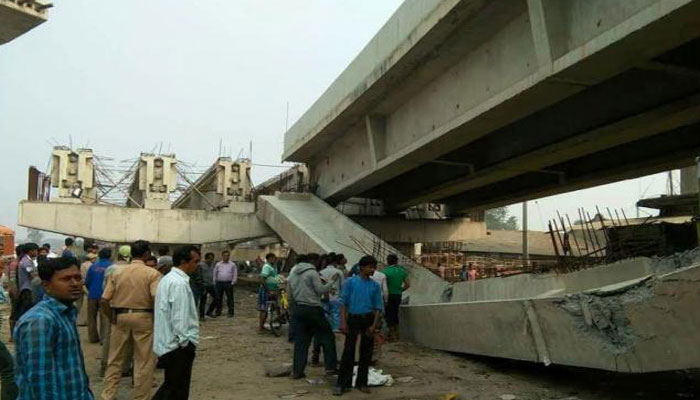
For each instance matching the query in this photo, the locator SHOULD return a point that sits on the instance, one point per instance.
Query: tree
(35, 235)
(498, 219)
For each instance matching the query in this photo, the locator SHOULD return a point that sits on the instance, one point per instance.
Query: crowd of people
(145, 312)
(326, 298)
(467, 273)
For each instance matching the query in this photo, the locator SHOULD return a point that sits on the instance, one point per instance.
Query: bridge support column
(689, 180)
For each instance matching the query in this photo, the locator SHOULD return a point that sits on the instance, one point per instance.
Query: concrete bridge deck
(124, 224)
(478, 103)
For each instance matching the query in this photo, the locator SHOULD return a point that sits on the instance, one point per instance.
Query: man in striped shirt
(225, 276)
(176, 325)
(26, 273)
(50, 361)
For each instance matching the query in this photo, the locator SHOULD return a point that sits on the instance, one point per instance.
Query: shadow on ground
(683, 384)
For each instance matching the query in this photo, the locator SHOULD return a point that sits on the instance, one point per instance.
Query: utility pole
(526, 250)
(286, 123)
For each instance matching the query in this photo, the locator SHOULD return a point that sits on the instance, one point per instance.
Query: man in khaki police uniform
(123, 258)
(129, 296)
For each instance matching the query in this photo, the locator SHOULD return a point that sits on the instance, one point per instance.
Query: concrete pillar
(689, 180)
(155, 179)
(73, 175)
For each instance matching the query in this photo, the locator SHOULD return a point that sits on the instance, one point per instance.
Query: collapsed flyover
(476, 104)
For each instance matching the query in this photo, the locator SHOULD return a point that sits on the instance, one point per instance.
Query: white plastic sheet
(375, 377)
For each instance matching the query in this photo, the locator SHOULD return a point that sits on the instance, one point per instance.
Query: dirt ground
(230, 358)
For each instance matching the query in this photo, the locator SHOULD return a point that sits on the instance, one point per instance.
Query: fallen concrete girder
(643, 324)
(308, 224)
(124, 225)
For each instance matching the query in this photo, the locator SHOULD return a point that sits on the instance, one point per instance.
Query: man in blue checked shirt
(50, 363)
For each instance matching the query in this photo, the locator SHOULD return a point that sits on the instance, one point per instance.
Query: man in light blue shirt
(176, 325)
(361, 309)
(361, 295)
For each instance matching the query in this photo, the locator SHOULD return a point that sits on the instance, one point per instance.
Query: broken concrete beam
(648, 324)
(308, 224)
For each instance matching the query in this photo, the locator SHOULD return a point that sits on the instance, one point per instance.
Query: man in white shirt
(332, 274)
(50, 254)
(380, 278)
(379, 338)
(176, 325)
(333, 305)
(441, 270)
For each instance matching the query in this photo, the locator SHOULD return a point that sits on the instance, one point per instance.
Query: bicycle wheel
(273, 318)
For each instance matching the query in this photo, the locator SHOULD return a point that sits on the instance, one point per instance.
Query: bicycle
(276, 314)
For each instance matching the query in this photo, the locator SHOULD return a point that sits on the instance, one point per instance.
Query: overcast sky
(123, 77)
